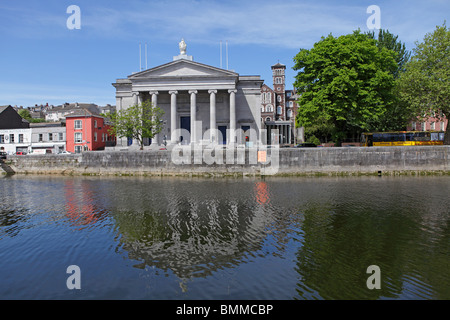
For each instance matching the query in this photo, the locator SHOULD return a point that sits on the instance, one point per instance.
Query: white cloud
(287, 24)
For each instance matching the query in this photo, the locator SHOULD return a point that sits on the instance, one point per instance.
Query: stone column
(135, 97)
(173, 116)
(120, 141)
(193, 94)
(212, 116)
(289, 134)
(232, 116)
(154, 95)
(136, 100)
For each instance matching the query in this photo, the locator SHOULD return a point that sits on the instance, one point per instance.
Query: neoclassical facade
(212, 104)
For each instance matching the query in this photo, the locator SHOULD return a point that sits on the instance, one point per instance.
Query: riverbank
(241, 162)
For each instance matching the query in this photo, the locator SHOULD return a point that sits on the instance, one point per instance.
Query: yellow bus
(402, 138)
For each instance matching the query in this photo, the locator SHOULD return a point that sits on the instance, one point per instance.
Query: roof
(80, 112)
(83, 112)
(74, 106)
(3, 108)
(279, 65)
(207, 70)
(47, 124)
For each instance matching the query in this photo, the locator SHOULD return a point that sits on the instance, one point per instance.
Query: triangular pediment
(183, 68)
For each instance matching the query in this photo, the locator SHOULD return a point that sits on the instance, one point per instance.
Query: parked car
(20, 153)
(65, 152)
(2, 155)
(306, 145)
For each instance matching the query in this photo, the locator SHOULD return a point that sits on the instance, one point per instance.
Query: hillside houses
(51, 113)
(19, 136)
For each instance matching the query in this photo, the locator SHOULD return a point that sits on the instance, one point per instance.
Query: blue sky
(42, 61)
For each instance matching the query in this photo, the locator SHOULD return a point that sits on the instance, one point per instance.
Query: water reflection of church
(192, 236)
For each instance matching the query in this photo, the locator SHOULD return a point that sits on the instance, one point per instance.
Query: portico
(212, 99)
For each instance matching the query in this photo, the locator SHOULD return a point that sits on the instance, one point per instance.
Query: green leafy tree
(425, 84)
(399, 114)
(346, 82)
(387, 40)
(24, 113)
(138, 121)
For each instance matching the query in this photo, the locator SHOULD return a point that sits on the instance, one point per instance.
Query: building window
(78, 124)
(78, 137)
(61, 136)
(279, 110)
(2, 138)
(442, 126)
(268, 119)
(289, 113)
(78, 149)
(413, 125)
(20, 138)
(269, 108)
(95, 136)
(50, 137)
(40, 137)
(262, 108)
(433, 125)
(11, 138)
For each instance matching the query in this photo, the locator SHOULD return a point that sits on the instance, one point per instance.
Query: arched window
(279, 110)
(289, 113)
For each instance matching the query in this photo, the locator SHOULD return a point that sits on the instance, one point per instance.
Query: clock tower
(279, 87)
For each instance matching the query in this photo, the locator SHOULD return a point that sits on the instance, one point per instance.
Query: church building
(214, 105)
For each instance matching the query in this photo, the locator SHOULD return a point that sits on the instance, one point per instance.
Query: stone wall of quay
(283, 161)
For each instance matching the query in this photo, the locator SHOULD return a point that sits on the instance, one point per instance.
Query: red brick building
(430, 124)
(86, 132)
(279, 108)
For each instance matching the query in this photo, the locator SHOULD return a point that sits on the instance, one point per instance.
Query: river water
(189, 238)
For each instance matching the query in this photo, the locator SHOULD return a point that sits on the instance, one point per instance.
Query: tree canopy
(25, 113)
(387, 40)
(347, 82)
(425, 84)
(138, 121)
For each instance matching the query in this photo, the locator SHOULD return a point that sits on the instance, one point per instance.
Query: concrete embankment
(4, 168)
(283, 161)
